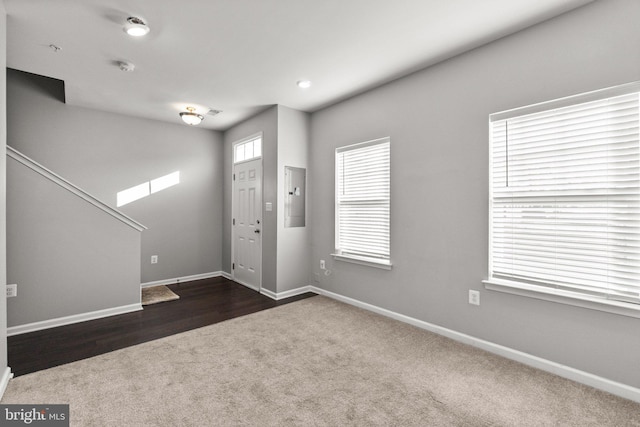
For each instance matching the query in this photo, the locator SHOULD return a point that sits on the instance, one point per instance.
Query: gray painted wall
(438, 123)
(3, 174)
(293, 243)
(285, 251)
(267, 123)
(104, 153)
(67, 256)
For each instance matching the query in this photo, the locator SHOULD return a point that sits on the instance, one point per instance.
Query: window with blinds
(363, 194)
(565, 197)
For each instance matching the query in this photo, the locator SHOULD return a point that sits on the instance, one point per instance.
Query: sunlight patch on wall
(145, 189)
(166, 181)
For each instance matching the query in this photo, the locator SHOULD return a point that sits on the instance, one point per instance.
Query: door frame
(233, 201)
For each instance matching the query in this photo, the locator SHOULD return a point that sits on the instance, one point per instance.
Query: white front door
(247, 223)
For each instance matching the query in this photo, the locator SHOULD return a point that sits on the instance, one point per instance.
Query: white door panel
(247, 229)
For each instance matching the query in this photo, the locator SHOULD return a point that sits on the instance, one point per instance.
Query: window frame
(250, 140)
(541, 292)
(338, 254)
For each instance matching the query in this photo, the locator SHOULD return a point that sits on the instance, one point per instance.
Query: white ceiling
(241, 56)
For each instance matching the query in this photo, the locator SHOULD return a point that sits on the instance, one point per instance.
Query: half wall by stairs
(72, 256)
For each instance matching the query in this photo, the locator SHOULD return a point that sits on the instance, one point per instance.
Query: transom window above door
(248, 150)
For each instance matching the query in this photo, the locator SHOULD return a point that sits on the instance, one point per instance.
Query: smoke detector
(126, 66)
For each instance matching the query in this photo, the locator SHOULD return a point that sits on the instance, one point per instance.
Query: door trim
(233, 197)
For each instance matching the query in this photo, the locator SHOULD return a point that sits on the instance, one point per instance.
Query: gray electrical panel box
(295, 196)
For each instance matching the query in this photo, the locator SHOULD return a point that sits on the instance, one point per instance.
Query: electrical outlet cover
(474, 297)
(12, 290)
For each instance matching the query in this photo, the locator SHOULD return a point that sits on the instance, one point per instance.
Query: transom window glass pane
(257, 147)
(239, 153)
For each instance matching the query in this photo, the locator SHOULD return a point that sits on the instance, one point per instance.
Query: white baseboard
(4, 380)
(269, 293)
(175, 280)
(52, 323)
(613, 387)
(68, 320)
(286, 294)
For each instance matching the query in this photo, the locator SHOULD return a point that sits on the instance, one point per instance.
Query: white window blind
(363, 192)
(565, 198)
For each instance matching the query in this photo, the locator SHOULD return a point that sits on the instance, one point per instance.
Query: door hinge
(233, 266)
(234, 221)
(234, 176)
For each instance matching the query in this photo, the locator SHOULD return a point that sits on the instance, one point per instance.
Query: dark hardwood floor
(201, 303)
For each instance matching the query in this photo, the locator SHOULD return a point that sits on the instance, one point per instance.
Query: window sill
(563, 297)
(370, 262)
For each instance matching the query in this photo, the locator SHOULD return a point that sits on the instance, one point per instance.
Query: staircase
(73, 257)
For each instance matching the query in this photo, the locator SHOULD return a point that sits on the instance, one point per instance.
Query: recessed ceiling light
(304, 84)
(136, 27)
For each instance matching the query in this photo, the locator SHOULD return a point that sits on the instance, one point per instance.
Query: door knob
(256, 231)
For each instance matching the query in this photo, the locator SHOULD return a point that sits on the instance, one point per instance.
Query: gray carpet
(316, 362)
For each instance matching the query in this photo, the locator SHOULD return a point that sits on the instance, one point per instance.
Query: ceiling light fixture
(136, 27)
(304, 84)
(190, 117)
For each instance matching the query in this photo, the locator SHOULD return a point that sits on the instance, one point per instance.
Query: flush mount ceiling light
(136, 27)
(190, 117)
(304, 84)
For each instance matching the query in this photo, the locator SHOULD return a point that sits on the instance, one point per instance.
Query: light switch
(268, 206)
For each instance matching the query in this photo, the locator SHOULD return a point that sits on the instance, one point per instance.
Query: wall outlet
(474, 297)
(12, 291)
(154, 259)
(322, 265)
